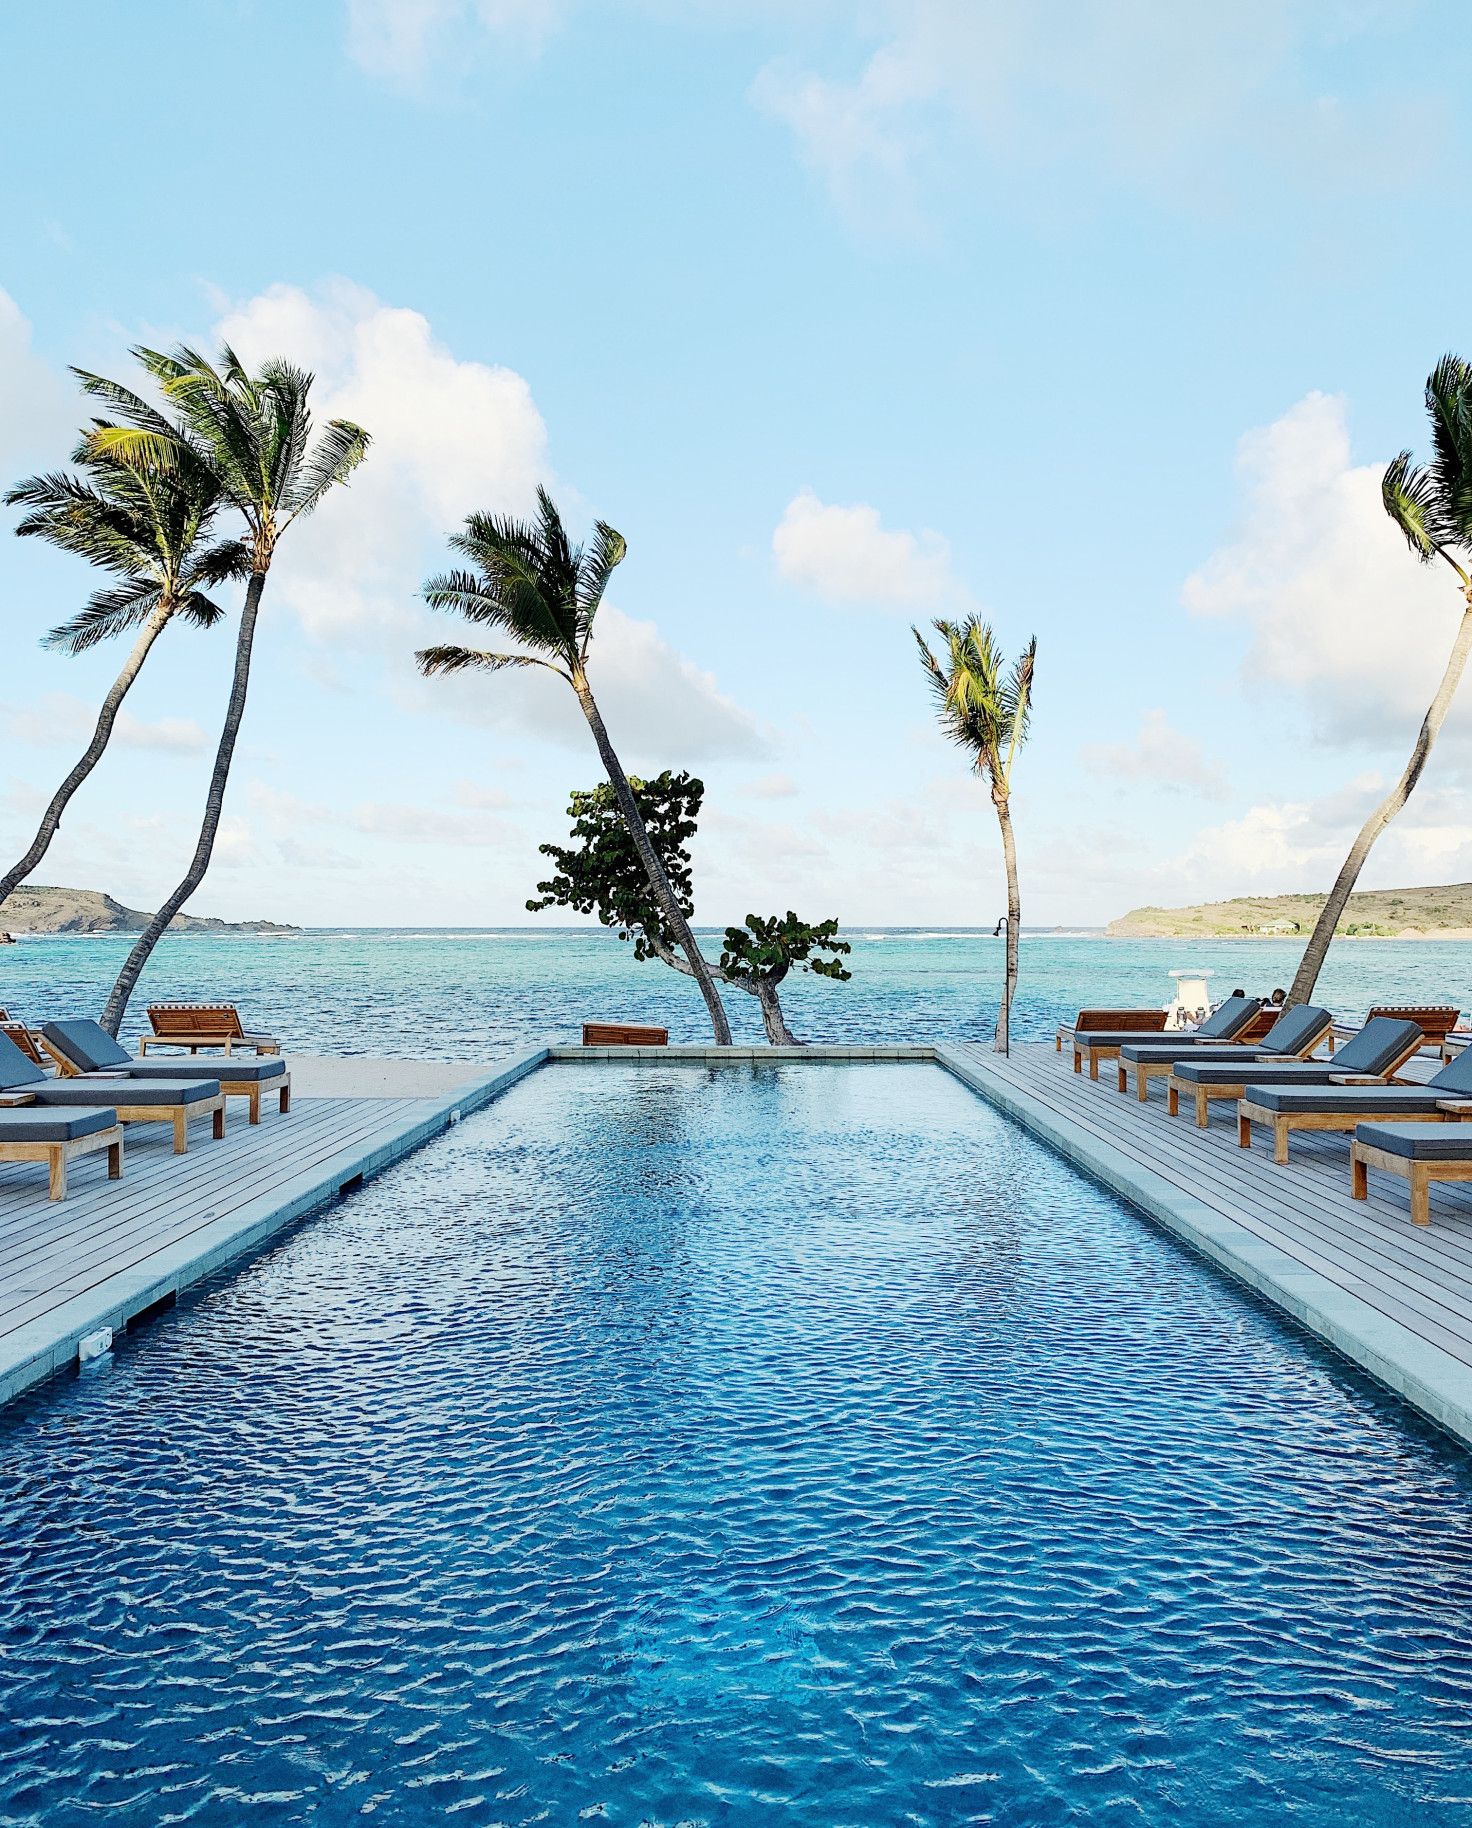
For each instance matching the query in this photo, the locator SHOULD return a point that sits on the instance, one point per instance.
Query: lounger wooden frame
(1283, 1123)
(56, 1155)
(180, 1115)
(1107, 1021)
(1146, 1070)
(197, 1025)
(1363, 1157)
(231, 1088)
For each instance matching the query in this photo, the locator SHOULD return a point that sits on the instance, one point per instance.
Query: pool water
(670, 1446)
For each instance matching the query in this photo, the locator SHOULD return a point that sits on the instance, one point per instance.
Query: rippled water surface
(668, 1447)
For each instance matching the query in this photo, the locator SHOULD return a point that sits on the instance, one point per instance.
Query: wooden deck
(115, 1249)
(1395, 1297)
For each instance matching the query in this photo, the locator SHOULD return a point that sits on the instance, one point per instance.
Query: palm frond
(339, 450)
(124, 402)
(220, 563)
(432, 660)
(201, 610)
(1409, 495)
(106, 613)
(608, 549)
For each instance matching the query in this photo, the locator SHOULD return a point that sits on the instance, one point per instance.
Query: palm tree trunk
(92, 755)
(122, 990)
(1317, 950)
(1002, 1043)
(653, 868)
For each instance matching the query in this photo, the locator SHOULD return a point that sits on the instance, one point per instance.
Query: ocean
(422, 993)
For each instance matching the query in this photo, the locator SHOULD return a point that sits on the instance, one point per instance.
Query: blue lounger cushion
(91, 1049)
(1288, 1036)
(1260, 1072)
(31, 1124)
(1375, 1049)
(1330, 1100)
(1420, 1142)
(1229, 1020)
(166, 1092)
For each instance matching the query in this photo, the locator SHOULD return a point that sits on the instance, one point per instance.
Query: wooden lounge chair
(25, 1039)
(1435, 1021)
(1107, 1022)
(623, 1034)
(29, 1132)
(173, 1101)
(197, 1025)
(1374, 1056)
(1224, 1025)
(80, 1047)
(1417, 1153)
(1291, 1037)
(1344, 1107)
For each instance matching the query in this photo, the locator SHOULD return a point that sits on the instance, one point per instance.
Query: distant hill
(33, 909)
(1437, 913)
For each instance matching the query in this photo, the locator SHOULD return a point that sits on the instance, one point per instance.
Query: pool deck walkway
(1394, 1297)
(118, 1250)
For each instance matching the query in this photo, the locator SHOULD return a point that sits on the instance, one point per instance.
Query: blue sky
(1099, 318)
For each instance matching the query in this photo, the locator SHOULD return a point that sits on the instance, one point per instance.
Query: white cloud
(1161, 754)
(398, 39)
(1339, 609)
(471, 793)
(428, 825)
(770, 787)
(847, 557)
(661, 710)
(37, 417)
(57, 719)
(448, 436)
(1147, 90)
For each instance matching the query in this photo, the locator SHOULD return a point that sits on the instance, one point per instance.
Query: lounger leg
(1244, 1132)
(115, 1162)
(1420, 1195)
(1124, 1078)
(181, 1131)
(1280, 1142)
(1093, 1064)
(1173, 1099)
(285, 1099)
(220, 1122)
(1201, 1112)
(255, 1104)
(57, 1161)
(1142, 1082)
(1359, 1179)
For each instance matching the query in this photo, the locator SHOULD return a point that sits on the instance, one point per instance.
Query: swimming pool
(672, 1446)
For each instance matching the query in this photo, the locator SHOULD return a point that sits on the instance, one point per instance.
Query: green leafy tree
(150, 530)
(253, 434)
(985, 710)
(532, 583)
(603, 874)
(1432, 506)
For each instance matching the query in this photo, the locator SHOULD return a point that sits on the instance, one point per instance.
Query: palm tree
(1432, 506)
(254, 435)
(149, 528)
(534, 585)
(987, 714)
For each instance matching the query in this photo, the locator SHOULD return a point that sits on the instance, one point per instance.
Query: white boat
(1191, 1004)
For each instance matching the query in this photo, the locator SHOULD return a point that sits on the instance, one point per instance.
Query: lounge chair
(25, 1039)
(81, 1046)
(1107, 1022)
(1377, 1051)
(197, 1025)
(1435, 1020)
(623, 1034)
(1332, 1107)
(1229, 1021)
(31, 1133)
(173, 1101)
(1420, 1153)
(1292, 1037)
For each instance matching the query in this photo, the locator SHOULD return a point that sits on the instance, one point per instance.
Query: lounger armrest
(1355, 1079)
(1456, 1107)
(8, 1100)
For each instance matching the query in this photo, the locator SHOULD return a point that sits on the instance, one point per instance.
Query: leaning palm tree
(986, 713)
(254, 435)
(533, 584)
(1432, 506)
(149, 528)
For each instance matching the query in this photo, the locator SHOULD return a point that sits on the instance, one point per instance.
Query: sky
(1100, 320)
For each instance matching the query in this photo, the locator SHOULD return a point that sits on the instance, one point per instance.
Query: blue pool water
(798, 1445)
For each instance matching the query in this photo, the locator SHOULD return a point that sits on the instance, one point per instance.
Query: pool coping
(1427, 1378)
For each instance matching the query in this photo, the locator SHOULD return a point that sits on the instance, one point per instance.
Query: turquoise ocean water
(470, 995)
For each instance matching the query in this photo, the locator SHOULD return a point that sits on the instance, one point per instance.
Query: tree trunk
(1317, 950)
(653, 868)
(117, 1003)
(763, 989)
(92, 755)
(1002, 1042)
